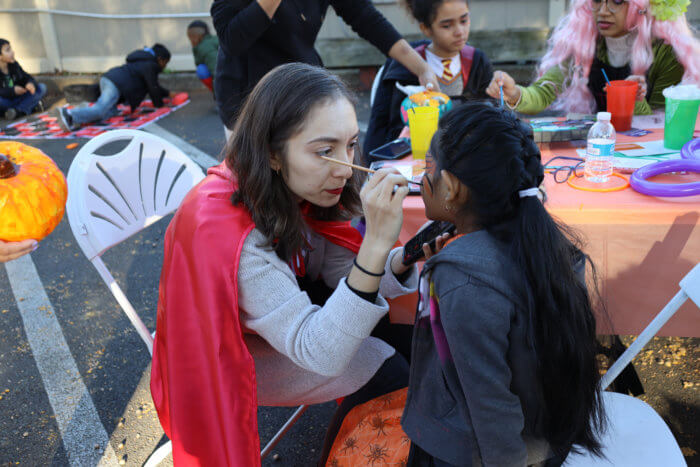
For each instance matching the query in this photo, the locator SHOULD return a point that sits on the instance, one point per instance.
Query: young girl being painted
(462, 70)
(503, 367)
(648, 41)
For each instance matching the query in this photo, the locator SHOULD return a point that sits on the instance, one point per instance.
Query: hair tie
(529, 192)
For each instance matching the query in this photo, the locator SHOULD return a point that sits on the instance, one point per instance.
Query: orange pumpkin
(33, 193)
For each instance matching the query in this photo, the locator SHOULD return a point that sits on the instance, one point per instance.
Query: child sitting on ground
(205, 48)
(20, 94)
(129, 82)
(462, 70)
(503, 368)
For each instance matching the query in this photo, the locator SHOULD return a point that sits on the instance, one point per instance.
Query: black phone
(392, 150)
(413, 249)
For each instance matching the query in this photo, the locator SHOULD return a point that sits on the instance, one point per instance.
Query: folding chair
(110, 198)
(636, 435)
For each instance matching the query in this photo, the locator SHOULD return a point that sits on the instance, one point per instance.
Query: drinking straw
(500, 88)
(605, 75)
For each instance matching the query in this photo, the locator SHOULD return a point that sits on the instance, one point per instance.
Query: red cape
(203, 377)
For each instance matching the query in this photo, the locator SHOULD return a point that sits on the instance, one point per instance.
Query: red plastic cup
(621, 97)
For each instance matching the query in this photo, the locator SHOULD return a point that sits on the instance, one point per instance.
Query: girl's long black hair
(493, 153)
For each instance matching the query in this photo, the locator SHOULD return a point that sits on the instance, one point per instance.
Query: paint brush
(605, 75)
(359, 167)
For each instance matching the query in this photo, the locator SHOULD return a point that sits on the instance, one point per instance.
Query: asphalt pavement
(74, 374)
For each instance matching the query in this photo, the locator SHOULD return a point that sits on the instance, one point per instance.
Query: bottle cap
(604, 116)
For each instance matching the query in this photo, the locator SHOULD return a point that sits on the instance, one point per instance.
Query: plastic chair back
(112, 197)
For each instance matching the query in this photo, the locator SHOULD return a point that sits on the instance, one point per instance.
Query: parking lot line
(200, 157)
(76, 416)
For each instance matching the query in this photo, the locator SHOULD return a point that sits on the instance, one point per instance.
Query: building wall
(510, 30)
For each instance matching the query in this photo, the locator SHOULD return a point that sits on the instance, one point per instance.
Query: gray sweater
(305, 354)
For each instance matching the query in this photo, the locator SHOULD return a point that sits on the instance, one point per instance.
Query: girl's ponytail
(494, 155)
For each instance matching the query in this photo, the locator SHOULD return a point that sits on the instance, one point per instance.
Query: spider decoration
(386, 399)
(378, 423)
(377, 453)
(349, 443)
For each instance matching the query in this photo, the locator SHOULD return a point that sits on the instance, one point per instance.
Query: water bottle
(600, 150)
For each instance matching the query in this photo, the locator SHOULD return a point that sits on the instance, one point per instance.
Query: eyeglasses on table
(574, 166)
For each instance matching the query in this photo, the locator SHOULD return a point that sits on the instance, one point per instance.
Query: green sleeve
(197, 52)
(542, 93)
(642, 108)
(210, 57)
(665, 71)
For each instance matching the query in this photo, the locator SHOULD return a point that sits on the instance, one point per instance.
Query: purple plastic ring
(691, 149)
(639, 183)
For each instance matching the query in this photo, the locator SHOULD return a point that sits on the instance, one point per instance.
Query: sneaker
(65, 121)
(39, 107)
(10, 114)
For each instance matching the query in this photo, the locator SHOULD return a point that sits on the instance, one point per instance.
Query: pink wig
(572, 47)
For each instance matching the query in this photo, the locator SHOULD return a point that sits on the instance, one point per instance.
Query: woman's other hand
(642, 88)
(511, 92)
(13, 250)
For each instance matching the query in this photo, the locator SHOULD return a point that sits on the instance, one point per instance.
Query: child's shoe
(10, 114)
(65, 121)
(39, 107)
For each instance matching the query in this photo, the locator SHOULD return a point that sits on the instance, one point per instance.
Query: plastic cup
(680, 120)
(423, 123)
(621, 97)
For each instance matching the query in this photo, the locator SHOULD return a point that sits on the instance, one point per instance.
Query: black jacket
(385, 122)
(251, 44)
(15, 76)
(138, 76)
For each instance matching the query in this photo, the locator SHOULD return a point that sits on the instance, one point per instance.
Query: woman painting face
(329, 130)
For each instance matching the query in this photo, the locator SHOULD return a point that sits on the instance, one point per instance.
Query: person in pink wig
(648, 41)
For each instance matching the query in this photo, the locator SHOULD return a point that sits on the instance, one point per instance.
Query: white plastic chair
(375, 85)
(110, 198)
(636, 435)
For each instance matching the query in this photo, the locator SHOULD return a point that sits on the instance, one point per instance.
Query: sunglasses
(613, 5)
(562, 172)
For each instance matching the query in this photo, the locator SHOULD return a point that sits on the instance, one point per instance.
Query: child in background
(205, 48)
(20, 94)
(503, 368)
(129, 83)
(637, 40)
(462, 70)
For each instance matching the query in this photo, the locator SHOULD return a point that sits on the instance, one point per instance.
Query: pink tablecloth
(642, 246)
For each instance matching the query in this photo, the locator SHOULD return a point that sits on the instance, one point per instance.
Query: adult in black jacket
(126, 83)
(385, 122)
(257, 35)
(20, 94)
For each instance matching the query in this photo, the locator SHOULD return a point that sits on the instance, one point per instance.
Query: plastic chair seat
(635, 436)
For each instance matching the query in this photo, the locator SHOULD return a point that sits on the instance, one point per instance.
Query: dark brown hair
(275, 111)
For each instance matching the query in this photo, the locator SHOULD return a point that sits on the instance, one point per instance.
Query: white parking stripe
(200, 157)
(76, 416)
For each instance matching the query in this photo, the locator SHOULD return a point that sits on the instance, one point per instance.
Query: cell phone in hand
(413, 250)
(392, 150)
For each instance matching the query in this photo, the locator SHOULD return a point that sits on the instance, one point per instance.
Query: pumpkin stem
(7, 168)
